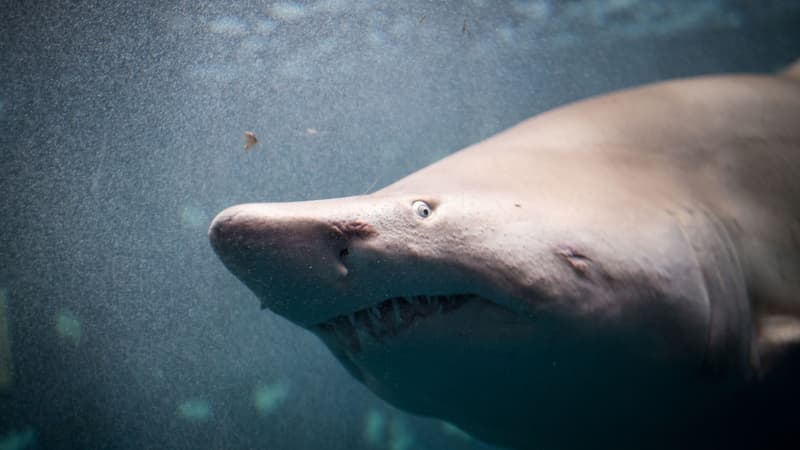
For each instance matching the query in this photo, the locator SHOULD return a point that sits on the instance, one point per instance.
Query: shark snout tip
(223, 227)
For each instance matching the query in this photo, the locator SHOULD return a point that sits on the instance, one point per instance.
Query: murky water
(121, 130)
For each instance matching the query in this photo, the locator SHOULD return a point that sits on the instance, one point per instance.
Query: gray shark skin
(619, 271)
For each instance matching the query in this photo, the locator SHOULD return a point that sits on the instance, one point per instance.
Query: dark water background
(121, 136)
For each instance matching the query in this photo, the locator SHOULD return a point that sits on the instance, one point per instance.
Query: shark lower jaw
(380, 322)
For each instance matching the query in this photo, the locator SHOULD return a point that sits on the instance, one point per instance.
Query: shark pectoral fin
(793, 71)
(776, 335)
(723, 283)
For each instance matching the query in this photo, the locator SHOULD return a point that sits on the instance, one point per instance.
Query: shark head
(475, 307)
(407, 290)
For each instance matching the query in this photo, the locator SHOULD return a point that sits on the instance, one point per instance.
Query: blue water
(121, 130)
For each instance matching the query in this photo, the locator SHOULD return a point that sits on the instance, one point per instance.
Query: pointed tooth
(398, 320)
(362, 334)
(375, 313)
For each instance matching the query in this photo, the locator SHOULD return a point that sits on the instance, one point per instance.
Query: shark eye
(421, 208)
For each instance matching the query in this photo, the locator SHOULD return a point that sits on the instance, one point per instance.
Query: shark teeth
(389, 317)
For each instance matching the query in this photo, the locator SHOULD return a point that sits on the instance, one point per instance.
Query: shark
(623, 270)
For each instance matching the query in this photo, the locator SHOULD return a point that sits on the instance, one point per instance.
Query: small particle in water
(311, 131)
(250, 140)
(195, 409)
(422, 19)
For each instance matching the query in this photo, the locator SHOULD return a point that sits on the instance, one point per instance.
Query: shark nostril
(343, 252)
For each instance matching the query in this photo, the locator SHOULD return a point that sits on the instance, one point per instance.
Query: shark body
(620, 270)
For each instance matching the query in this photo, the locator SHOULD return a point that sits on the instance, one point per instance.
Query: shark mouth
(388, 318)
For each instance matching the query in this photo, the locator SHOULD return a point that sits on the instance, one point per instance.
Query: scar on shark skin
(578, 261)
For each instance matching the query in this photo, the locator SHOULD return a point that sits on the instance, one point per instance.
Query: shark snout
(287, 251)
(263, 241)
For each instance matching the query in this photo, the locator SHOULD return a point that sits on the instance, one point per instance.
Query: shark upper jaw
(379, 322)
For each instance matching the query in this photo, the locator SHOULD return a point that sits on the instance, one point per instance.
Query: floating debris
(6, 372)
(195, 409)
(311, 131)
(250, 140)
(422, 19)
(68, 327)
(268, 397)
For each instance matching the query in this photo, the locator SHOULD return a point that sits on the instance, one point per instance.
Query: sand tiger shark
(623, 270)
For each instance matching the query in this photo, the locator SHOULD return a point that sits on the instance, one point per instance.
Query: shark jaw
(436, 355)
(380, 322)
(423, 311)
